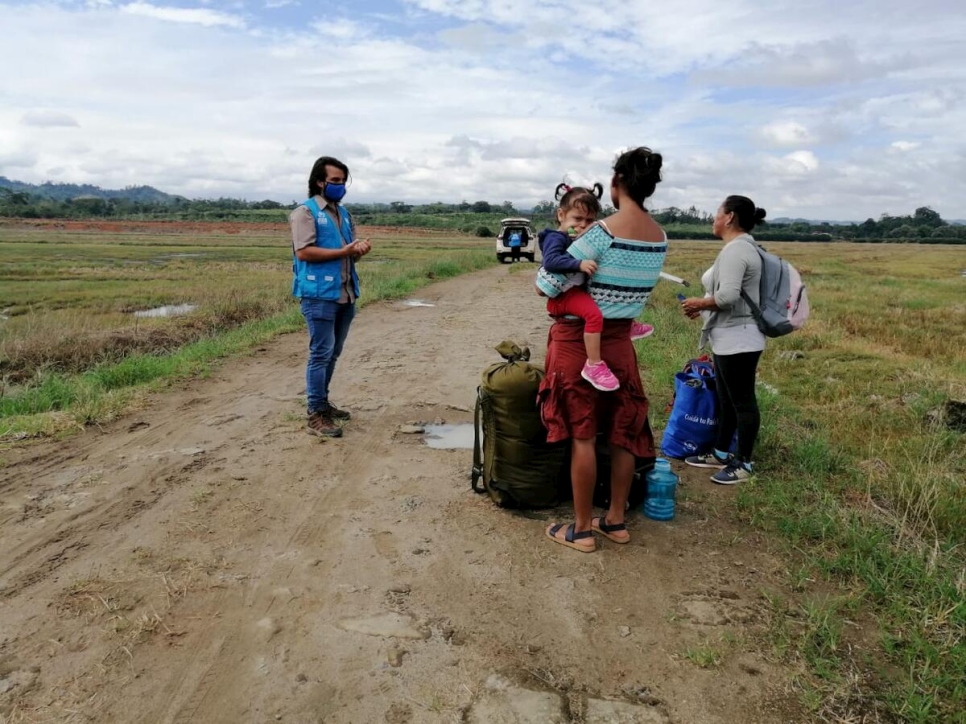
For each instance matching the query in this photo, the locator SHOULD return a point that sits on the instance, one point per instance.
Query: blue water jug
(662, 484)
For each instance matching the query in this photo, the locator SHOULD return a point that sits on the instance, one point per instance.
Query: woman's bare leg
(622, 464)
(583, 478)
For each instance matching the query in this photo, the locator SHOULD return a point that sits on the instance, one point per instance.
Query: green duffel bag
(515, 464)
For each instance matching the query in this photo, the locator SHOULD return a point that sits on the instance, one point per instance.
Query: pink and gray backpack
(783, 304)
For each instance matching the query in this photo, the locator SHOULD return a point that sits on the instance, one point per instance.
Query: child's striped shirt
(627, 271)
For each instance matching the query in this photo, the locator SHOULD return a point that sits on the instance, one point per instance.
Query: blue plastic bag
(693, 424)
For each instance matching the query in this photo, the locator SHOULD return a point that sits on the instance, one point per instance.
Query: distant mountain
(62, 192)
(812, 222)
(816, 222)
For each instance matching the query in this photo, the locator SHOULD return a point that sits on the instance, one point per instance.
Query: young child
(578, 209)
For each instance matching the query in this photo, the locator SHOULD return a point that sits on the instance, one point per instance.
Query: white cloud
(48, 119)
(339, 29)
(199, 16)
(826, 62)
(800, 162)
(19, 159)
(904, 146)
(492, 99)
(786, 133)
(476, 37)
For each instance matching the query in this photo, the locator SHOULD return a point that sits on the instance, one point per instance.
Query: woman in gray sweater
(736, 342)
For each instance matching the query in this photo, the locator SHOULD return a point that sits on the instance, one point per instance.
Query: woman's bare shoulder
(637, 227)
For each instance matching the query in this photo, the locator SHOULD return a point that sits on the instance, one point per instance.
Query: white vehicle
(516, 240)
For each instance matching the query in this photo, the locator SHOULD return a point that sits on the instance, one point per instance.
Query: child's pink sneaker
(640, 331)
(600, 376)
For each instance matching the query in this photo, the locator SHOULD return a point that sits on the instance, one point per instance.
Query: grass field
(72, 351)
(859, 473)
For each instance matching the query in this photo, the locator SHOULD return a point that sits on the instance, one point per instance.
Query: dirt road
(205, 560)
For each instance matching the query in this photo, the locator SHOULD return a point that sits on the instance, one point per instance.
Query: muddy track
(205, 560)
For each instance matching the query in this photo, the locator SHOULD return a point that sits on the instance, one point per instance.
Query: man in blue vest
(325, 280)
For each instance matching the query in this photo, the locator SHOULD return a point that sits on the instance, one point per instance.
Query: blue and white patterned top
(627, 271)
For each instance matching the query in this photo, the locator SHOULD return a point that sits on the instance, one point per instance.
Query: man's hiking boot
(321, 424)
(338, 414)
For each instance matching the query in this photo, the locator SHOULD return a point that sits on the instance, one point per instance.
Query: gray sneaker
(708, 460)
(732, 475)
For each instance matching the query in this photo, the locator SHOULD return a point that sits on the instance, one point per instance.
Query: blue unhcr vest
(323, 279)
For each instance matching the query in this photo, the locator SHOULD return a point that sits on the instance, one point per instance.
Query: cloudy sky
(814, 108)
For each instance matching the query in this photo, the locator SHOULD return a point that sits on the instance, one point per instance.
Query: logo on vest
(322, 218)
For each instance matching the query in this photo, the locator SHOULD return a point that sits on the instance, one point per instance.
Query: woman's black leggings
(737, 404)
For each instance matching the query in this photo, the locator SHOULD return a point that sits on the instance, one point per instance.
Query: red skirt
(572, 408)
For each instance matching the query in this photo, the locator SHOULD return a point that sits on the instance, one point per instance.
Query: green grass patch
(705, 657)
(74, 354)
(858, 473)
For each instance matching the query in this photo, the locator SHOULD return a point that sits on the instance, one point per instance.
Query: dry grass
(861, 468)
(69, 342)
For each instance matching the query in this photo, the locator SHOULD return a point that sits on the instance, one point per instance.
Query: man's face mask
(333, 192)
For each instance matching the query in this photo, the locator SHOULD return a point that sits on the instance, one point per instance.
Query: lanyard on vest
(342, 223)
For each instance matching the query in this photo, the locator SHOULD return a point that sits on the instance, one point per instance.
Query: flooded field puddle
(417, 303)
(450, 437)
(170, 310)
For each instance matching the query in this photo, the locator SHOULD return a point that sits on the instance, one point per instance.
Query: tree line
(924, 225)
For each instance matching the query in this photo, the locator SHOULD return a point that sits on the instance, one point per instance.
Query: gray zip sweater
(737, 267)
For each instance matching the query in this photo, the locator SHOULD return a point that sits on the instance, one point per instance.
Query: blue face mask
(333, 192)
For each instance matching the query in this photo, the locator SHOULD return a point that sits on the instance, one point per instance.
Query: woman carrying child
(629, 252)
(562, 278)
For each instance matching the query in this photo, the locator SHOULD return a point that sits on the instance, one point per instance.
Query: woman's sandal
(600, 525)
(573, 539)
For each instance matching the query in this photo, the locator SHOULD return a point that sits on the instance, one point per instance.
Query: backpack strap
(477, 472)
(755, 309)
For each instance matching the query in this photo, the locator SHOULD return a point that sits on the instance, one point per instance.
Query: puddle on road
(417, 303)
(170, 310)
(450, 437)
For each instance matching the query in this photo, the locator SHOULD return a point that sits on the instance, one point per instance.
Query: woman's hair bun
(654, 161)
(759, 214)
(639, 172)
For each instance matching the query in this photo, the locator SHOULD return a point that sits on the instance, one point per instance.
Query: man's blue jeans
(328, 324)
